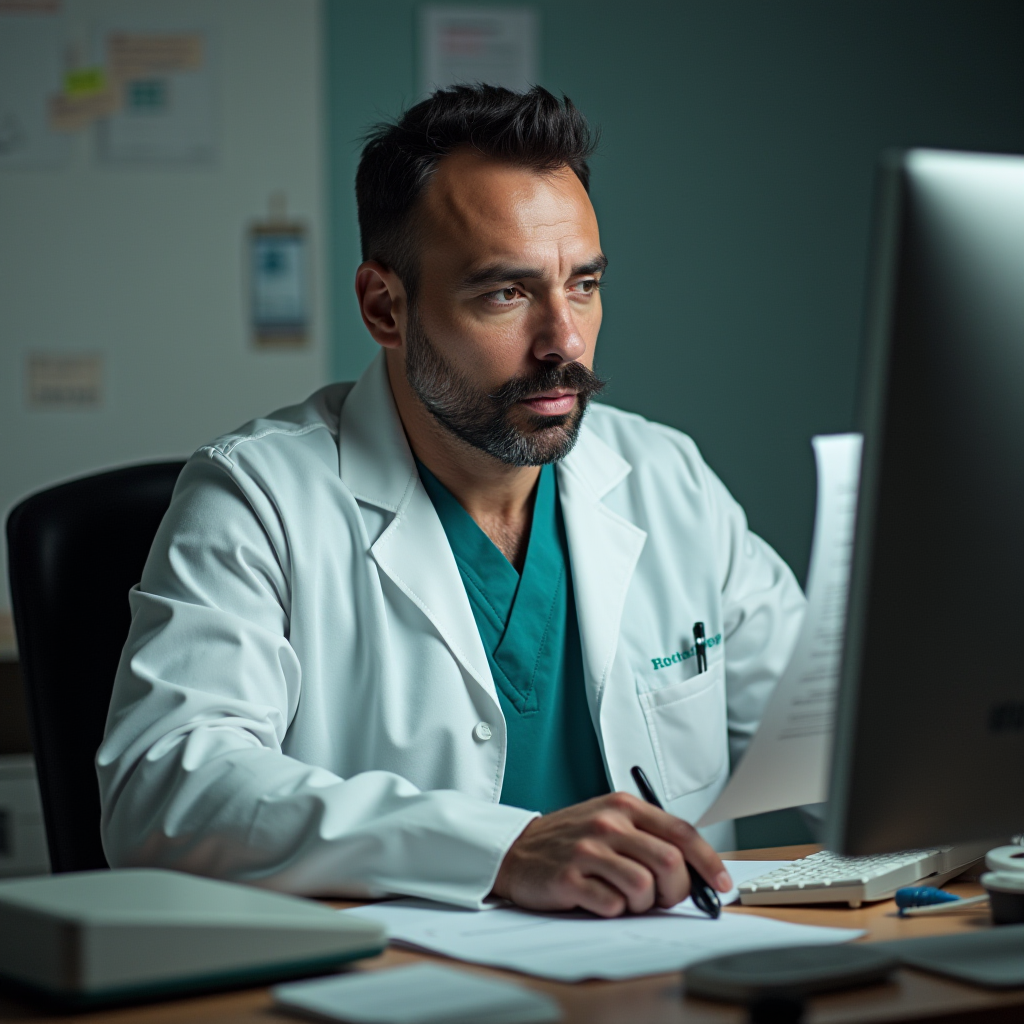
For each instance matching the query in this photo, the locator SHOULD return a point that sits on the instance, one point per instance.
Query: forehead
(476, 209)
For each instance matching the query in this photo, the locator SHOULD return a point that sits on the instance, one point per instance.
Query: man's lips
(557, 402)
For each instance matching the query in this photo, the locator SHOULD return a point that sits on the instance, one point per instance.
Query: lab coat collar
(597, 465)
(375, 461)
(377, 466)
(604, 549)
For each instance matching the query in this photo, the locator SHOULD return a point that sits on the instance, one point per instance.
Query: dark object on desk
(777, 1010)
(89, 938)
(1007, 905)
(992, 958)
(793, 972)
(704, 897)
(74, 552)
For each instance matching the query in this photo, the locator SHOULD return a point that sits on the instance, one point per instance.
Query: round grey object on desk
(1005, 895)
(792, 971)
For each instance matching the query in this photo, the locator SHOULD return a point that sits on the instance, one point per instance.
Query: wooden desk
(658, 999)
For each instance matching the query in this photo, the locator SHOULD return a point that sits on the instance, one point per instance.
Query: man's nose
(558, 339)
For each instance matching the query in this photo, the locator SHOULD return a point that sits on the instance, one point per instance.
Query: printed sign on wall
(64, 380)
(494, 45)
(166, 112)
(279, 275)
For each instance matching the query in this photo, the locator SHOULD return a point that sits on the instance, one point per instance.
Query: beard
(483, 420)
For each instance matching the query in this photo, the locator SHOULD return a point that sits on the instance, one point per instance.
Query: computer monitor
(929, 745)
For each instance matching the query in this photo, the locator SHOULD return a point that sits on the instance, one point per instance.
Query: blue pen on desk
(915, 901)
(704, 897)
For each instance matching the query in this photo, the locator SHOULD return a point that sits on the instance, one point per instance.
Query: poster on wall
(465, 45)
(31, 69)
(167, 99)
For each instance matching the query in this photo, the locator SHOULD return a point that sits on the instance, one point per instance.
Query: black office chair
(74, 552)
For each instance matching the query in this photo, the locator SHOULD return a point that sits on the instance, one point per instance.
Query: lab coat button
(482, 731)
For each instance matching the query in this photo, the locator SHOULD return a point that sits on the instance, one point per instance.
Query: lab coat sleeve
(763, 610)
(191, 771)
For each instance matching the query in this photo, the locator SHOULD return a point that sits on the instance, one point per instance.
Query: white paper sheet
(787, 762)
(741, 871)
(573, 947)
(420, 994)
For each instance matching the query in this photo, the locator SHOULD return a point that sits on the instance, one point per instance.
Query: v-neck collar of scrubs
(532, 640)
(517, 609)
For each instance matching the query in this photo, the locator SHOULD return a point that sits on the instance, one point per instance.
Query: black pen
(700, 647)
(704, 897)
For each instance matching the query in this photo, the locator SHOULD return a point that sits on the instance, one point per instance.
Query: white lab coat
(299, 703)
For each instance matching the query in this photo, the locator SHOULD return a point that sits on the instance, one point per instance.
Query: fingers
(663, 860)
(681, 834)
(598, 897)
(597, 859)
(608, 855)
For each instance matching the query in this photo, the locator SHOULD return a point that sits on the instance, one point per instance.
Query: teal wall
(733, 188)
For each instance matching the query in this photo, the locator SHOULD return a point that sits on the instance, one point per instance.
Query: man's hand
(609, 855)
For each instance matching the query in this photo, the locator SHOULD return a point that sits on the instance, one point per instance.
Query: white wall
(146, 265)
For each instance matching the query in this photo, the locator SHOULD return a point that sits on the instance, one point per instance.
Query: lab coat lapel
(377, 466)
(604, 549)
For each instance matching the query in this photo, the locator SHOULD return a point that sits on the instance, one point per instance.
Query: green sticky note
(85, 81)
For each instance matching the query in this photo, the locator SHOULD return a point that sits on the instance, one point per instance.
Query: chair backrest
(75, 550)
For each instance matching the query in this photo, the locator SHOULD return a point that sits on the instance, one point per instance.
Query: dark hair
(531, 129)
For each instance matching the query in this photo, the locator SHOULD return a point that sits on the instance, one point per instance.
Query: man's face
(500, 341)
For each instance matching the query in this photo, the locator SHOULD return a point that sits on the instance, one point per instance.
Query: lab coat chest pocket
(687, 725)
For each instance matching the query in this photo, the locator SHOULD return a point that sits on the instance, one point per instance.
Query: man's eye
(505, 294)
(587, 287)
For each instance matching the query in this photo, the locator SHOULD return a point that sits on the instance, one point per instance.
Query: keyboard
(830, 878)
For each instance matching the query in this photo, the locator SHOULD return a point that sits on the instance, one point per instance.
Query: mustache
(574, 376)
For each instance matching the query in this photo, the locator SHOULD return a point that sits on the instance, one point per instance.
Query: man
(380, 631)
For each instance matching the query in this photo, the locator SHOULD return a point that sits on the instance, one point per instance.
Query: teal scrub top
(531, 636)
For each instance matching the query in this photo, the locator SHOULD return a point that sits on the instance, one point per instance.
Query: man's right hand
(608, 855)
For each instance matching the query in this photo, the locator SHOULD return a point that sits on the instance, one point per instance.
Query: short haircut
(531, 129)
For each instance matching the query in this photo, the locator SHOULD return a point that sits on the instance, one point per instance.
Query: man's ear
(382, 303)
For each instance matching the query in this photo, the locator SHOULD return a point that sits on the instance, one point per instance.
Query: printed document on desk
(578, 946)
(786, 764)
